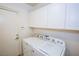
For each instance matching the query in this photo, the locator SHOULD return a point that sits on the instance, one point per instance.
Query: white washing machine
(49, 46)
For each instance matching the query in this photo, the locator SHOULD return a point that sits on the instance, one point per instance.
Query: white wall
(21, 21)
(1, 34)
(70, 37)
(0, 39)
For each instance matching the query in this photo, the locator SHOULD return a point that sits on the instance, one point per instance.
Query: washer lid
(35, 42)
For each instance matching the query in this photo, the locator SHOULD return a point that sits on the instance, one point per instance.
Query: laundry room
(39, 29)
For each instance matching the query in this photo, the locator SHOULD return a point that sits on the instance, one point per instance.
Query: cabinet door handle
(33, 51)
(17, 38)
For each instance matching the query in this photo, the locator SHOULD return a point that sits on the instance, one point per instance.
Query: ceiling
(33, 4)
(36, 5)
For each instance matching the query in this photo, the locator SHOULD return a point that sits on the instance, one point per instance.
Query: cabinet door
(38, 18)
(72, 21)
(10, 45)
(56, 15)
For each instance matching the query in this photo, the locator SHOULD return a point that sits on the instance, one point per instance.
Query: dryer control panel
(49, 37)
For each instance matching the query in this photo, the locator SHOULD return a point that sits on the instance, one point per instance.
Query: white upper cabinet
(38, 17)
(56, 15)
(50, 16)
(72, 21)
